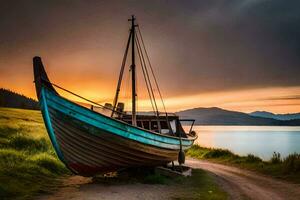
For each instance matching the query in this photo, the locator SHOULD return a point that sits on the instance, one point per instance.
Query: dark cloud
(289, 97)
(194, 45)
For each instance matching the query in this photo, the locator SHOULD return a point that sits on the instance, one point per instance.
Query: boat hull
(90, 143)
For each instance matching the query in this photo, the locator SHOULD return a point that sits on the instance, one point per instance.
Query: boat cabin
(164, 123)
(160, 124)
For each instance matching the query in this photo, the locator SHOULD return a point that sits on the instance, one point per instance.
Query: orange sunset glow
(201, 58)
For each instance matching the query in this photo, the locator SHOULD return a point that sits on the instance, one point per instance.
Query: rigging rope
(121, 75)
(81, 97)
(154, 77)
(143, 63)
(146, 81)
(127, 89)
(155, 80)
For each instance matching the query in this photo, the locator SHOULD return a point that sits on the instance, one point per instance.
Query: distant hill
(14, 100)
(218, 116)
(276, 116)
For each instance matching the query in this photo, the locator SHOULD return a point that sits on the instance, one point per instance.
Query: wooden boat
(89, 142)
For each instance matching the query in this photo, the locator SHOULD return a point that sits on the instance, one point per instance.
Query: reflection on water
(258, 140)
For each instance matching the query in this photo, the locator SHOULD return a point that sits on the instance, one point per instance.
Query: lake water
(261, 141)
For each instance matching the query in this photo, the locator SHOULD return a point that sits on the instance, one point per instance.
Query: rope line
(81, 97)
(121, 75)
(155, 80)
(145, 78)
(152, 71)
(148, 78)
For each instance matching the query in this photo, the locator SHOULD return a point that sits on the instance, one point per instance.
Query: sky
(233, 54)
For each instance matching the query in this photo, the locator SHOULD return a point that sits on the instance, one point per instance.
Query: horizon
(239, 56)
(180, 110)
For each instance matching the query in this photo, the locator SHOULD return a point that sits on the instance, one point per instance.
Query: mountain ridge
(219, 116)
(288, 116)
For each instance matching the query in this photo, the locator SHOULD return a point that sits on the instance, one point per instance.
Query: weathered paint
(107, 123)
(113, 126)
(89, 142)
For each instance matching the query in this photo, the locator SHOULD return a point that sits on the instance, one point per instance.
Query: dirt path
(240, 184)
(82, 188)
(243, 184)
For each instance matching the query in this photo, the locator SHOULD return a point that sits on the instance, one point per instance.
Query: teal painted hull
(112, 125)
(90, 143)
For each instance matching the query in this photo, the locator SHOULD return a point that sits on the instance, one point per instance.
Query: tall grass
(28, 164)
(276, 158)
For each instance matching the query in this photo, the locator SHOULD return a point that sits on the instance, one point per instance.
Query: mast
(133, 76)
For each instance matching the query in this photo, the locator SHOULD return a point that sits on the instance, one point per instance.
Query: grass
(28, 164)
(200, 185)
(284, 168)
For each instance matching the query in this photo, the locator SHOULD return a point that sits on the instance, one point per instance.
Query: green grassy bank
(28, 164)
(284, 168)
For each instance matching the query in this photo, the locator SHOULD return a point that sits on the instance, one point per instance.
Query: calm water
(258, 140)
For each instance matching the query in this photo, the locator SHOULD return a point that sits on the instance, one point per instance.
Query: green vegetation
(200, 185)
(287, 168)
(28, 164)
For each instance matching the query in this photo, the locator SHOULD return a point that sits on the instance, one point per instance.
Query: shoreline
(287, 168)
